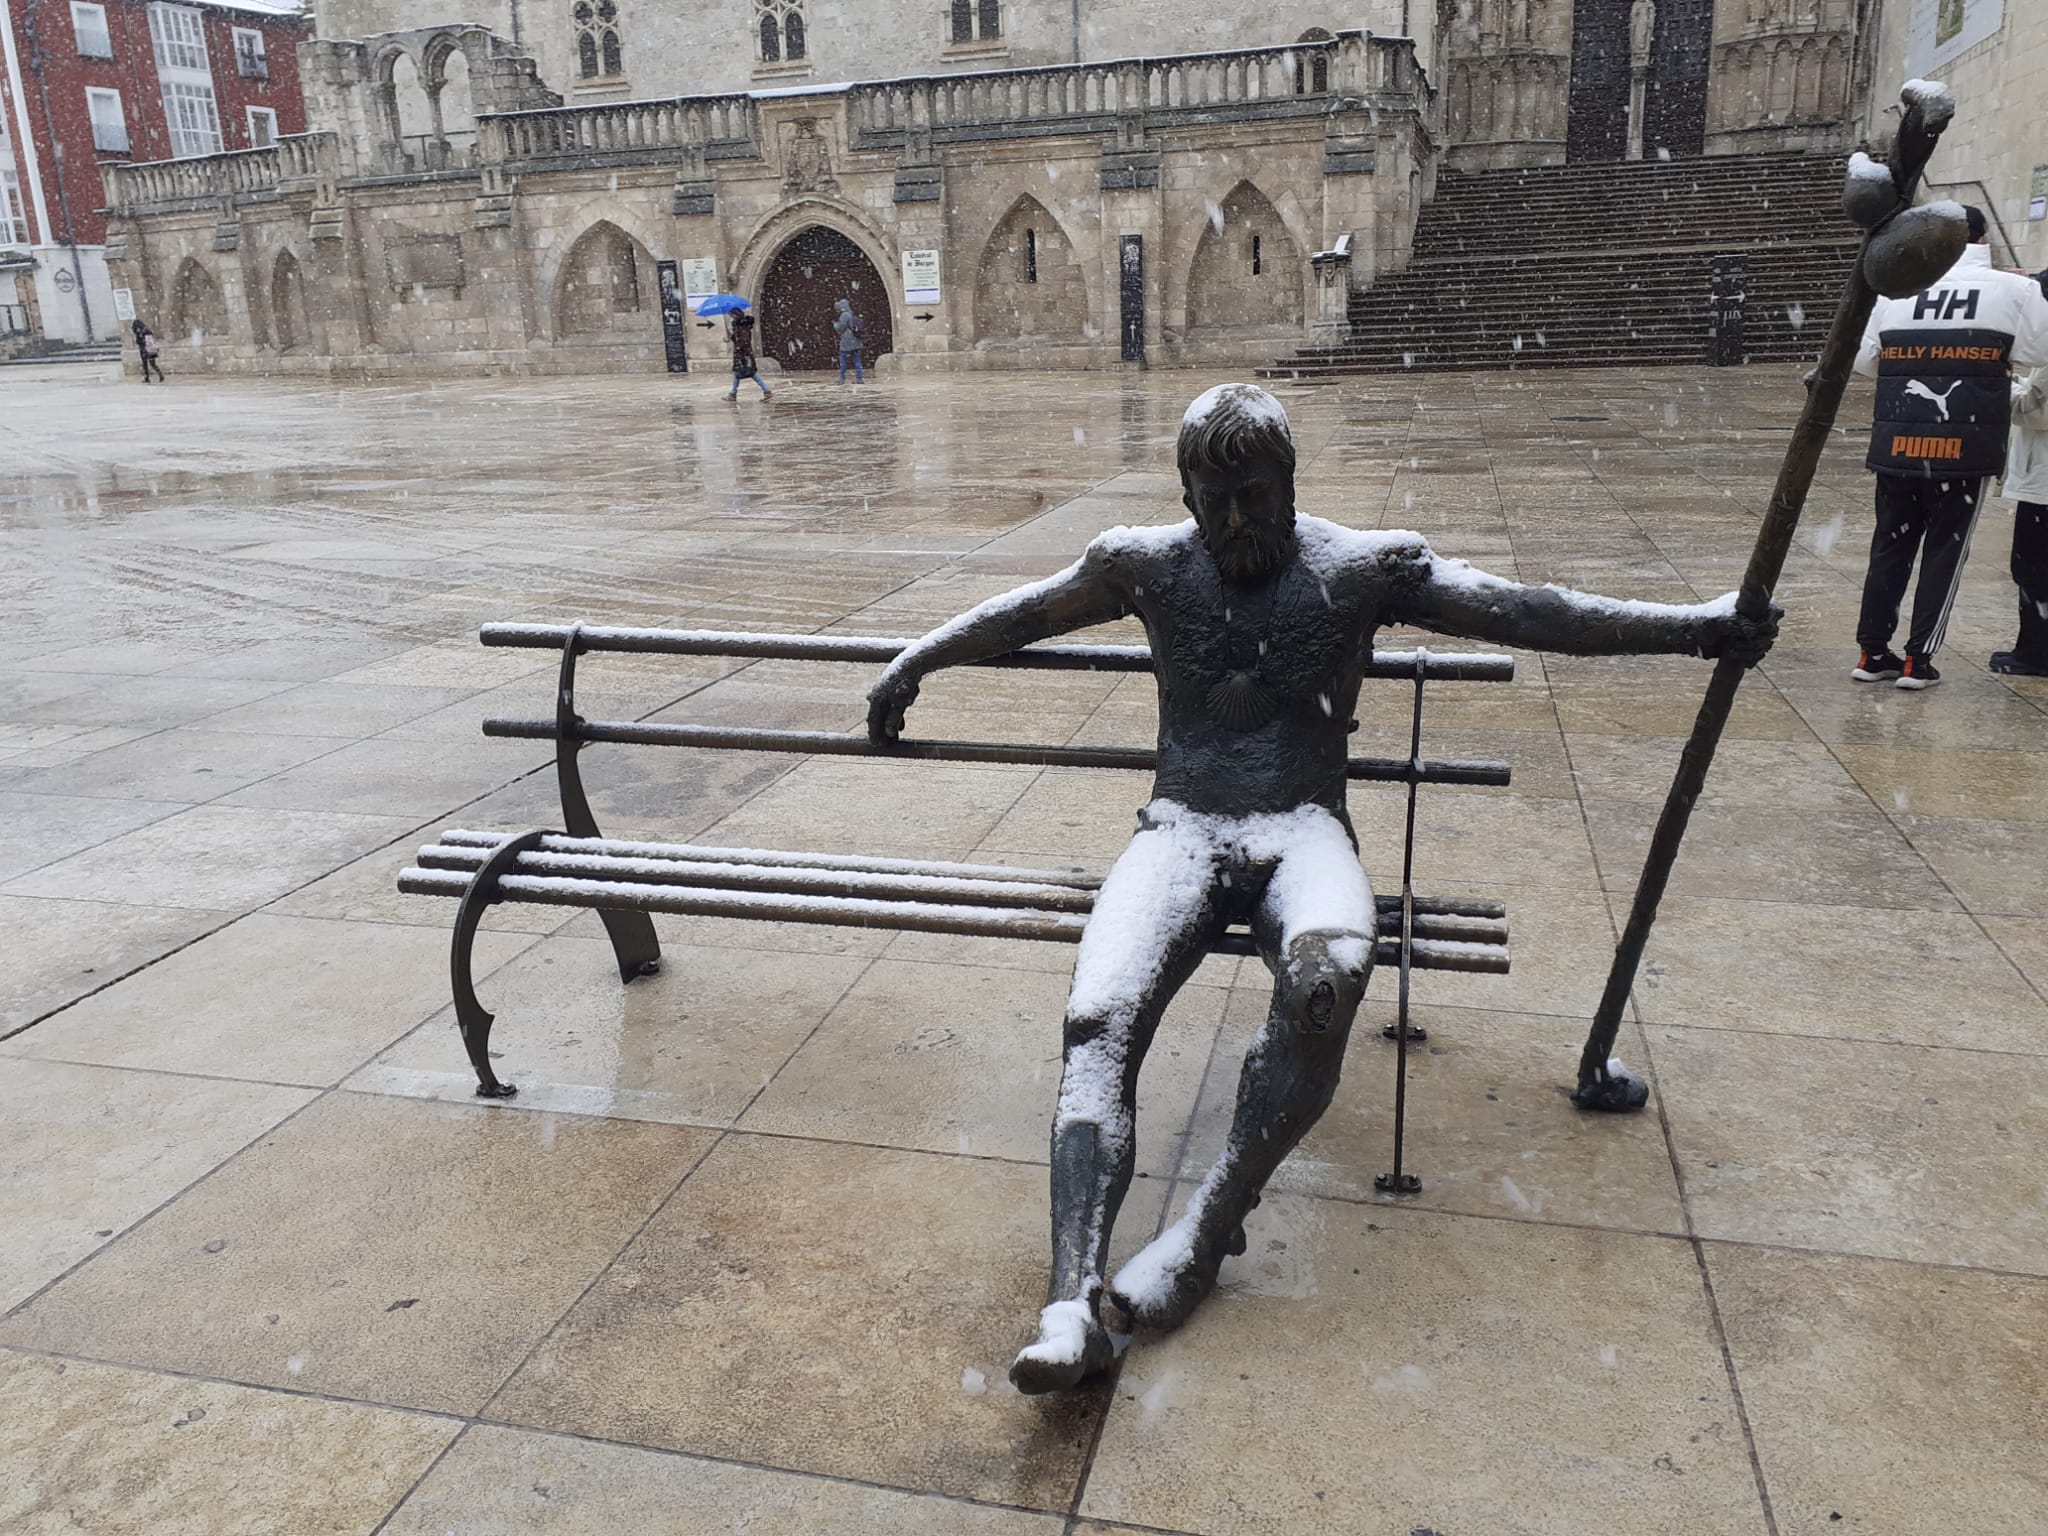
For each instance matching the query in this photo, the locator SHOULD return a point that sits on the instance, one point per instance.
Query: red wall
(132, 71)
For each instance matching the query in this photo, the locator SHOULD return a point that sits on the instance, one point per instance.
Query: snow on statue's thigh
(1318, 885)
(1157, 888)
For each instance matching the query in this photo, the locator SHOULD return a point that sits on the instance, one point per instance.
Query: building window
(1257, 256)
(1030, 255)
(89, 26)
(977, 21)
(250, 62)
(13, 216)
(262, 127)
(195, 125)
(780, 24)
(599, 54)
(180, 38)
(109, 123)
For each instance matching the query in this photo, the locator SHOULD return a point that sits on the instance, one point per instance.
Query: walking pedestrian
(847, 328)
(1943, 362)
(147, 347)
(2026, 481)
(740, 332)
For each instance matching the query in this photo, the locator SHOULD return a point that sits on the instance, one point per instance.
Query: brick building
(88, 82)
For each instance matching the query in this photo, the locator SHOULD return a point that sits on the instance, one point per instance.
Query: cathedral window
(780, 25)
(599, 55)
(977, 21)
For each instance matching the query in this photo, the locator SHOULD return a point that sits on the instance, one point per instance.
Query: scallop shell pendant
(1241, 702)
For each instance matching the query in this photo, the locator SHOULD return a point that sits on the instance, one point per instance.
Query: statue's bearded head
(1236, 459)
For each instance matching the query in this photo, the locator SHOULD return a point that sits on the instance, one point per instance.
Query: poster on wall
(920, 277)
(1939, 30)
(124, 304)
(700, 279)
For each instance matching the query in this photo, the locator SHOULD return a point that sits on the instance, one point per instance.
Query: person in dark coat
(847, 328)
(740, 332)
(147, 347)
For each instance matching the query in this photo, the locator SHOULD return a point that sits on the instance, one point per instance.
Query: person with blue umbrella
(739, 331)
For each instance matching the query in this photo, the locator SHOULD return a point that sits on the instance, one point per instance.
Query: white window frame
(184, 71)
(256, 55)
(255, 114)
(94, 29)
(194, 118)
(178, 33)
(13, 209)
(97, 99)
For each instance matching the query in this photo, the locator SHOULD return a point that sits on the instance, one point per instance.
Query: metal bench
(625, 882)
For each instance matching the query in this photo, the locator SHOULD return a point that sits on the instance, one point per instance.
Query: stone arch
(801, 213)
(804, 278)
(197, 314)
(290, 325)
(604, 286)
(1029, 284)
(448, 60)
(551, 269)
(1312, 70)
(1248, 269)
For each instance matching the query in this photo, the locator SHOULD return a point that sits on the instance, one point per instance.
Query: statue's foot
(1072, 1345)
(1619, 1091)
(1170, 1275)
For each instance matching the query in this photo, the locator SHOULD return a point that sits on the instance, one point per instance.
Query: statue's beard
(1253, 552)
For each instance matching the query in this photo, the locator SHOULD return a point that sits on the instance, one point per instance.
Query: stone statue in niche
(1261, 623)
(807, 163)
(1642, 33)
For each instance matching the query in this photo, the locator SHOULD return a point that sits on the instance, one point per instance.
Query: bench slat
(1465, 944)
(844, 744)
(1436, 666)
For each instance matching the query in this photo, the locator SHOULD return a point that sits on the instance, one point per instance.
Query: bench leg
(634, 945)
(470, 1015)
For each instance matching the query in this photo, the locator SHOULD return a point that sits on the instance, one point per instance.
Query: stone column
(1642, 33)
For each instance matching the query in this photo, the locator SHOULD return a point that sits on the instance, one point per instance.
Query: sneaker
(1919, 673)
(2013, 664)
(1881, 668)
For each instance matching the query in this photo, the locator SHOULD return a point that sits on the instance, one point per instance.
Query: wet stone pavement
(755, 1244)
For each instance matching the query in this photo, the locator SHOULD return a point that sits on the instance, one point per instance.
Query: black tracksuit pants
(1934, 520)
(2030, 573)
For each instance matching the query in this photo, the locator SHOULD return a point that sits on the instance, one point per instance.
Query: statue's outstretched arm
(1455, 598)
(1087, 592)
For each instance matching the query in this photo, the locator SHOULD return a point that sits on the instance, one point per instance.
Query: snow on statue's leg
(1317, 928)
(1153, 921)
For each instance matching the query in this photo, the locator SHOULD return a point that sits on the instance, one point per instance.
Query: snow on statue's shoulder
(1936, 102)
(1150, 538)
(1329, 548)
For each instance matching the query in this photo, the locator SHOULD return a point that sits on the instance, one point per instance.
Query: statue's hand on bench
(888, 701)
(1740, 638)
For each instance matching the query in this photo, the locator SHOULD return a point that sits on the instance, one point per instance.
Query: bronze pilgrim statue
(1260, 623)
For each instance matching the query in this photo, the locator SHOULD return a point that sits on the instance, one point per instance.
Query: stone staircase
(1580, 266)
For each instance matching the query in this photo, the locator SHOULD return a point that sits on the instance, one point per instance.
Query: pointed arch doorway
(799, 294)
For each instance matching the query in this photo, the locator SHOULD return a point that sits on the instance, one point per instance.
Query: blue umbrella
(721, 304)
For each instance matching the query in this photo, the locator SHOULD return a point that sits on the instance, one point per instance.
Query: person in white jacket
(1943, 361)
(2026, 481)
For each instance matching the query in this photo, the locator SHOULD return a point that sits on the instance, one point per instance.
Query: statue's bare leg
(1154, 919)
(1318, 935)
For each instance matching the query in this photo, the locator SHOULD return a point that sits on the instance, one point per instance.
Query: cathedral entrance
(1639, 65)
(799, 297)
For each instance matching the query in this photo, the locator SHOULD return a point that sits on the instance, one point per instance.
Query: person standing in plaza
(740, 332)
(147, 347)
(847, 328)
(2026, 481)
(1942, 360)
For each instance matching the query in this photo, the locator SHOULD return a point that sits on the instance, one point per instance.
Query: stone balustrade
(1301, 77)
(219, 178)
(566, 134)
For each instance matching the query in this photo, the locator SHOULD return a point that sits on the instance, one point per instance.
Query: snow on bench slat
(1106, 658)
(847, 912)
(775, 858)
